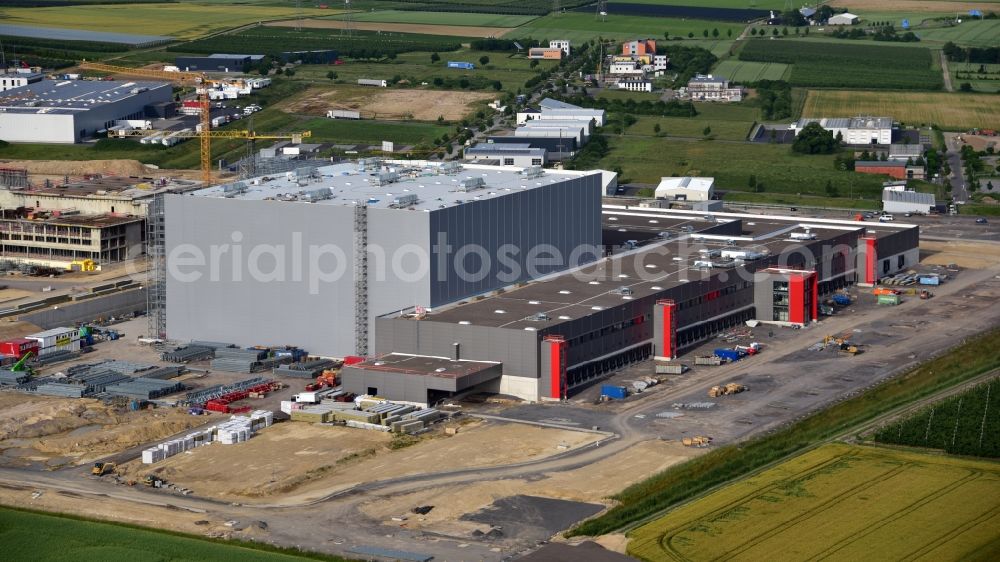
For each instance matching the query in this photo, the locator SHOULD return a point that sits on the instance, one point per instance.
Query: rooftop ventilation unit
(742, 254)
(538, 317)
(469, 184)
(369, 164)
(315, 195)
(703, 264)
(803, 236)
(306, 172)
(408, 200)
(532, 172)
(451, 168)
(384, 178)
(235, 188)
(710, 252)
(623, 291)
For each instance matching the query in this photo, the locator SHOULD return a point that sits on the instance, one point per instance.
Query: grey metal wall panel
(565, 215)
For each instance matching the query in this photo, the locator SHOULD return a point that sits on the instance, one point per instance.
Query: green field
(179, 20)
(440, 18)
(841, 502)
(988, 81)
(728, 122)
(967, 424)
(844, 65)
(736, 4)
(954, 111)
(274, 40)
(982, 33)
(745, 72)
(371, 132)
(579, 27)
(34, 536)
(646, 160)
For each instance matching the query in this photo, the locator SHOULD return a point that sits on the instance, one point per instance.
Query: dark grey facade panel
(563, 216)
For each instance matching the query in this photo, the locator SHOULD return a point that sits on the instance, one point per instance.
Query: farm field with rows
(984, 33)
(840, 501)
(185, 21)
(273, 40)
(440, 18)
(579, 27)
(966, 424)
(955, 111)
(832, 65)
(746, 72)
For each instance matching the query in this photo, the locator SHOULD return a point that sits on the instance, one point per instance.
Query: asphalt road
(959, 188)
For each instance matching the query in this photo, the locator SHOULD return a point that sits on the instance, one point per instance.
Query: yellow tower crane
(206, 134)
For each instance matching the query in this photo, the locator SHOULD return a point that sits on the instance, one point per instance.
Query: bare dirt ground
(377, 103)
(980, 142)
(11, 328)
(917, 6)
(455, 30)
(49, 431)
(592, 484)
(305, 460)
(971, 255)
(57, 169)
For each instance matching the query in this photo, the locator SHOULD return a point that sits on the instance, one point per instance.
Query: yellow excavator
(102, 468)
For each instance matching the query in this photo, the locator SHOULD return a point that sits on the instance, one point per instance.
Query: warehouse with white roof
(686, 189)
(314, 256)
(68, 111)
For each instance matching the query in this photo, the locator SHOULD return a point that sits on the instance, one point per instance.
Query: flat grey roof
(427, 365)
(508, 149)
(571, 295)
(70, 96)
(350, 182)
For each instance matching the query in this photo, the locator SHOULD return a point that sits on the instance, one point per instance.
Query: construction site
(460, 421)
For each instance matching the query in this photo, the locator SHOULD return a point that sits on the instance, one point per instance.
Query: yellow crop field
(946, 110)
(184, 21)
(839, 502)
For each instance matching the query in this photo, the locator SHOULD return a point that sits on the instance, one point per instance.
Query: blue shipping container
(729, 354)
(460, 64)
(616, 392)
(929, 280)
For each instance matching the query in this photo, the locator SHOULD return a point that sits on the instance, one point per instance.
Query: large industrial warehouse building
(686, 279)
(70, 110)
(276, 260)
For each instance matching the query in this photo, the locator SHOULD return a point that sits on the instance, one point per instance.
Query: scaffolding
(156, 288)
(253, 166)
(361, 278)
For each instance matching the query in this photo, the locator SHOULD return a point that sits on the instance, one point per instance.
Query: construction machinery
(102, 468)
(22, 364)
(849, 348)
(153, 481)
(205, 132)
(925, 294)
(726, 389)
(696, 441)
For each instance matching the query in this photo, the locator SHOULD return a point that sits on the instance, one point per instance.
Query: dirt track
(455, 30)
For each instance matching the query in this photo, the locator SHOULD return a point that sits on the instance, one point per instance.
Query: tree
(965, 87)
(331, 75)
(666, 36)
(707, 131)
(831, 191)
(784, 31)
(690, 35)
(989, 185)
(753, 31)
(435, 57)
(775, 32)
(752, 182)
(484, 60)
(533, 63)
(715, 32)
(704, 33)
(497, 85)
(814, 139)
(807, 31)
(729, 32)
(656, 128)
(840, 137)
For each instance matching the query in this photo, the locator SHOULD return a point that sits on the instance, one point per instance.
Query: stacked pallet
(236, 360)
